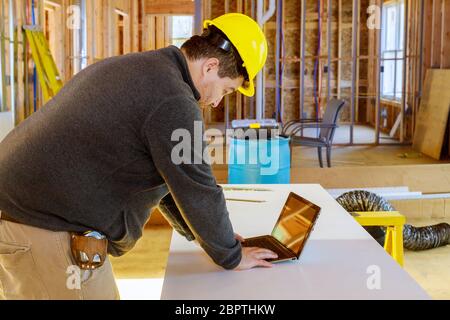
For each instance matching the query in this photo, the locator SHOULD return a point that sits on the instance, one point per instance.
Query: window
(392, 50)
(182, 28)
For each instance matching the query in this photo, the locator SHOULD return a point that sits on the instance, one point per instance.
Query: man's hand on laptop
(255, 257)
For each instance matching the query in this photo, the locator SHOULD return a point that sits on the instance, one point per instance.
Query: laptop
(292, 230)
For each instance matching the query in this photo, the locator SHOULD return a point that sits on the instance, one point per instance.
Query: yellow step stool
(394, 222)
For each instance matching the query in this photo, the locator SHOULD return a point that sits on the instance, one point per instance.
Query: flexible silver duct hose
(364, 201)
(425, 238)
(415, 239)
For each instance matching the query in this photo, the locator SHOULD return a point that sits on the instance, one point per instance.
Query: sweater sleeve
(174, 135)
(170, 211)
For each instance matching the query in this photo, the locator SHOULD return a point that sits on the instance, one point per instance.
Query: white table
(337, 262)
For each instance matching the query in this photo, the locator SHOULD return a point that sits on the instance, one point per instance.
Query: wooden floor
(358, 156)
(431, 269)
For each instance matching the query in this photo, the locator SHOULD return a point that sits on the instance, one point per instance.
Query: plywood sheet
(433, 114)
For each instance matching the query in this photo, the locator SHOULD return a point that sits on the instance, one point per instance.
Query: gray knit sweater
(98, 157)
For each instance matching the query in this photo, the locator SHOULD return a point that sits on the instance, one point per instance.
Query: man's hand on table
(254, 257)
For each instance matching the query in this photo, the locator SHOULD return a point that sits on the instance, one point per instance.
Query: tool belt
(89, 249)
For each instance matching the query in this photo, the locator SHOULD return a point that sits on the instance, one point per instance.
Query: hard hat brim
(249, 90)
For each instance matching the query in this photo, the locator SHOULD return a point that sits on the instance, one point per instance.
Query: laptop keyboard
(272, 245)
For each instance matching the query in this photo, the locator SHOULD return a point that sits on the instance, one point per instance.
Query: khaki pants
(38, 264)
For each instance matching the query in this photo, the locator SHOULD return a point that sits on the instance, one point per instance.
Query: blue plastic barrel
(259, 161)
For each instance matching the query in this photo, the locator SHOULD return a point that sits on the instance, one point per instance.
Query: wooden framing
(436, 34)
(123, 26)
(172, 7)
(238, 95)
(21, 111)
(122, 39)
(445, 35)
(339, 70)
(134, 25)
(90, 19)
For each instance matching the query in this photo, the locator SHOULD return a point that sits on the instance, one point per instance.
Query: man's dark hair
(213, 43)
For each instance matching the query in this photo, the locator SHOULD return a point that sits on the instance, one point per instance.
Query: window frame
(398, 52)
(174, 40)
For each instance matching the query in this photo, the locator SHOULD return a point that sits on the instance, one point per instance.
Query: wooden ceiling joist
(171, 7)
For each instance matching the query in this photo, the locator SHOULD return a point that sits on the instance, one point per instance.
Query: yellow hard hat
(248, 39)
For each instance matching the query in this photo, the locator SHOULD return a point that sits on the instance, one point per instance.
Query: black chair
(326, 128)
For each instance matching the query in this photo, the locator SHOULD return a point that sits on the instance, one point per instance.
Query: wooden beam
(405, 74)
(414, 62)
(445, 50)
(238, 95)
(427, 32)
(108, 21)
(167, 31)
(160, 28)
(378, 77)
(170, 7)
(99, 33)
(149, 33)
(115, 31)
(53, 3)
(67, 41)
(436, 34)
(339, 72)
(134, 25)
(21, 88)
(126, 34)
(358, 64)
(372, 67)
(90, 12)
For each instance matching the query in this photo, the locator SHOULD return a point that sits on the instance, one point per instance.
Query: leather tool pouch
(89, 253)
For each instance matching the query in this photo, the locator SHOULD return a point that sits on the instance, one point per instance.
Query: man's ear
(211, 64)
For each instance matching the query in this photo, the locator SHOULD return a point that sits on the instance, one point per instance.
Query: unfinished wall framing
(324, 49)
(318, 49)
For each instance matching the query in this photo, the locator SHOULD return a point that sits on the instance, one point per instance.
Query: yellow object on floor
(394, 222)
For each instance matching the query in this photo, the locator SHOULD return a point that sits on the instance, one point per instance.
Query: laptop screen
(295, 222)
